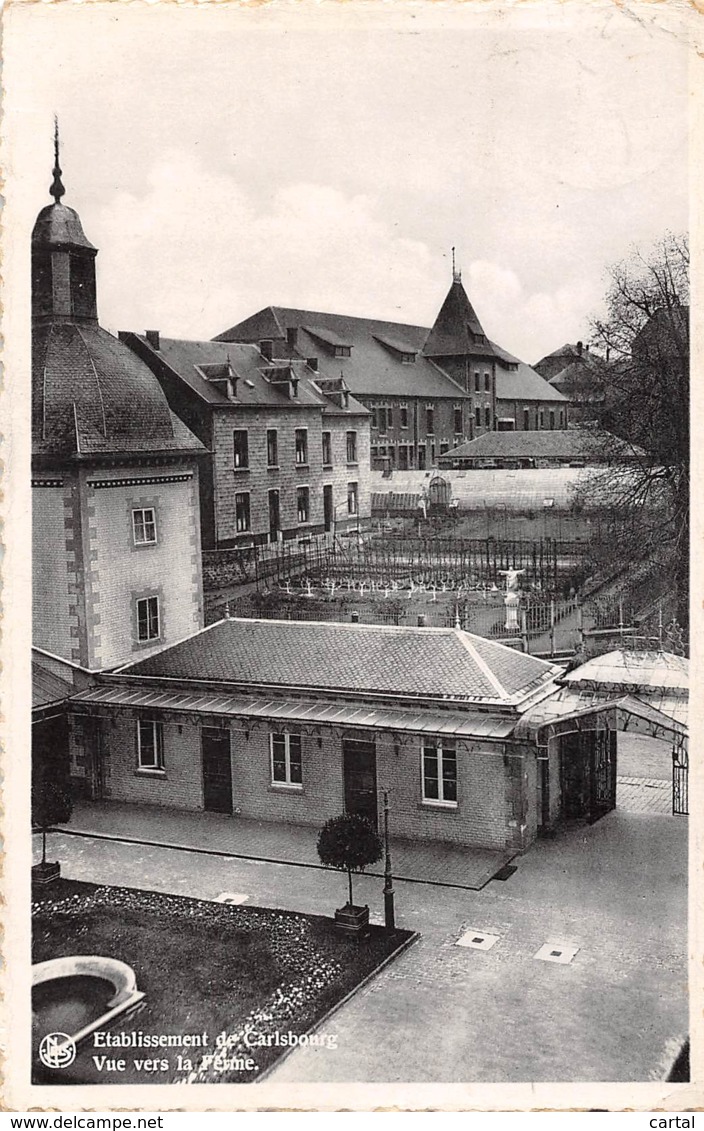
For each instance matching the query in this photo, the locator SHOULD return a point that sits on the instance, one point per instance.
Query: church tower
(116, 533)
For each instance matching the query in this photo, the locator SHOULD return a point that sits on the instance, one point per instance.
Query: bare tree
(645, 340)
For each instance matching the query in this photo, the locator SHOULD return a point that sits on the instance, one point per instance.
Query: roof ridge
(391, 629)
(466, 641)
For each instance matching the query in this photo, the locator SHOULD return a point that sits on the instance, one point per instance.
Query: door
(327, 507)
(574, 775)
(359, 767)
(217, 770)
(274, 516)
(602, 773)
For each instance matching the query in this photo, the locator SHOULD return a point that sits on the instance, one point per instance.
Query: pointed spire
(456, 275)
(57, 189)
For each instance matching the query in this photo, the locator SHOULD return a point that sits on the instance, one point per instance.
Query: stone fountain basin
(82, 984)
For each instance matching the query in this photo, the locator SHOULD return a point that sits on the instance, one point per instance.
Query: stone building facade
(288, 449)
(115, 519)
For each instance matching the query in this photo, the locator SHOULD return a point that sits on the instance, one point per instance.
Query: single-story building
(477, 743)
(565, 447)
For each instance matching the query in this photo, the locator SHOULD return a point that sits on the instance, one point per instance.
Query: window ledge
(145, 772)
(328, 466)
(452, 806)
(302, 467)
(272, 467)
(353, 463)
(284, 787)
(241, 470)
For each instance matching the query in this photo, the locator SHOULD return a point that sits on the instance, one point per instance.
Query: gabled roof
(583, 444)
(420, 663)
(457, 330)
(196, 361)
(516, 381)
(372, 369)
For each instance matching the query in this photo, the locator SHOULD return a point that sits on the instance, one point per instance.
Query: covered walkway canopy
(570, 710)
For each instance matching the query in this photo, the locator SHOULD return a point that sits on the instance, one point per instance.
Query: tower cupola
(63, 260)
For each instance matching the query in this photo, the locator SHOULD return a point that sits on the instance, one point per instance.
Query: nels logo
(57, 1050)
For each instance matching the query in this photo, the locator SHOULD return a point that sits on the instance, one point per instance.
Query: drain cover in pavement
(231, 897)
(477, 940)
(556, 952)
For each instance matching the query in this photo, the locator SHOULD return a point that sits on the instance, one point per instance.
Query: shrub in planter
(350, 844)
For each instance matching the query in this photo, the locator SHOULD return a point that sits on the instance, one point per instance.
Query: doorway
(359, 769)
(217, 770)
(588, 774)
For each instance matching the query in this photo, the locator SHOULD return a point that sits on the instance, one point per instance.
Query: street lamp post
(389, 917)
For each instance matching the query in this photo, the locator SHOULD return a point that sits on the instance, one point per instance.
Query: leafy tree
(645, 340)
(51, 801)
(349, 843)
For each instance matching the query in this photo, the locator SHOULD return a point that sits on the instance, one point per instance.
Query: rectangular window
(286, 760)
(352, 500)
(241, 448)
(552, 418)
(301, 445)
(421, 457)
(562, 418)
(458, 419)
(439, 772)
(351, 447)
(242, 511)
(430, 421)
(487, 382)
(477, 382)
(444, 448)
(327, 449)
(389, 417)
(144, 526)
(542, 418)
(381, 414)
(272, 447)
(303, 504)
(148, 618)
(487, 417)
(526, 420)
(404, 416)
(478, 417)
(343, 351)
(374, 416)
(403, 457)
(150, 745)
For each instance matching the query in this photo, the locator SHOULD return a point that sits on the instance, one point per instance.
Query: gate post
(524, 630)
(552, 626)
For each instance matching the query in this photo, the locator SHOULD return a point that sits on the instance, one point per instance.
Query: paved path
(618, 1011)
(276, 842)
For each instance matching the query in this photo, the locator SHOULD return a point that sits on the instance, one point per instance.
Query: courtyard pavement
(614, 892)
(274, 842)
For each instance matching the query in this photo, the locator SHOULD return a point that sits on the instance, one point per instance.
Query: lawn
(252, 973)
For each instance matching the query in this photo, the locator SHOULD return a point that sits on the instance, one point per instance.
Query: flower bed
(244, 975)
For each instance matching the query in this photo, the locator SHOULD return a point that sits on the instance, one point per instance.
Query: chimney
(292, 336)
(579, 348)
(312, 363)
(152, 337)
(266, 348)
(354, 617)
(421, 620)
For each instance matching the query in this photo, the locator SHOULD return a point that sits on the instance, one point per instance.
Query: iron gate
(680, 776)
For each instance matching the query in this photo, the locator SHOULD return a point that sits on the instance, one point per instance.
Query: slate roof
(372, 369)
(423, 663)
(457, 329)
(91, 395)
(191, 359)
(562, 444)
(60, 226)
(524, 384)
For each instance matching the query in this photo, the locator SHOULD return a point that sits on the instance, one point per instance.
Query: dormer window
(408, 358)
(343, 351)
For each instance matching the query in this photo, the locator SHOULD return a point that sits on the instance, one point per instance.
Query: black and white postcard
(348, 752)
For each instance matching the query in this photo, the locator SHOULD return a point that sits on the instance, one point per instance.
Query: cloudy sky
(224, 159)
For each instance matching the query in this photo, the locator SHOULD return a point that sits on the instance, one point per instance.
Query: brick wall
(341, 473)
(538, 411)
(416, 434)
(480, 818)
